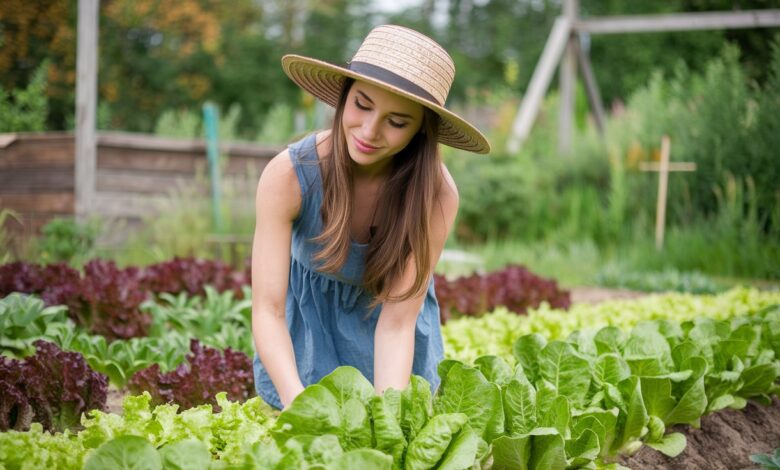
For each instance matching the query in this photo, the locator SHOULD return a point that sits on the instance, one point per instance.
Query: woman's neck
(372, 174)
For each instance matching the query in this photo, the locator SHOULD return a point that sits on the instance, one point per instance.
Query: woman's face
(378, 124)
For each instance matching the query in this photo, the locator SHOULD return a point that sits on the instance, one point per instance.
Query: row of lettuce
(571, 389)
(108, 300)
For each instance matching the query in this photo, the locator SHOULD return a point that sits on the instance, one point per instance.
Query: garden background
(584, 218)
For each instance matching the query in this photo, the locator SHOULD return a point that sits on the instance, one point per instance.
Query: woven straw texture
(407, 54)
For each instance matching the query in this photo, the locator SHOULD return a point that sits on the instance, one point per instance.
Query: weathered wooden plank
(61, 202)
(155, 160)
(8, 139)
(128, 204)
(251, 167)
(680, 22)
(128, 140)
(26, 154)
(27, 180)
(142, 182)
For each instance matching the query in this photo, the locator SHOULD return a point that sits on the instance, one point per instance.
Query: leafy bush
(68, 241)
(513, 287)
(52, 388)
(25, 110)
(196, 382)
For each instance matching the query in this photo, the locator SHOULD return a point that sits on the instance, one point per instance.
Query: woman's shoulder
(323, 143)
(448, 190)
(278, 184)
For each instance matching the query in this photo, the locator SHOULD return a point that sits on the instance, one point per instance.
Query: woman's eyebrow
(365, 97)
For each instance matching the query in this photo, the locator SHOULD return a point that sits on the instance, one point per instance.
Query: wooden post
(567, 77)
(663, 168)
(86, 105)
(540, 81)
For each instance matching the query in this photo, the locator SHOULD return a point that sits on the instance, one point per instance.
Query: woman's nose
(371, 128)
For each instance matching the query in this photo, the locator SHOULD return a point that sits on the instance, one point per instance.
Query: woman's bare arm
(277, 204)
(394, 336)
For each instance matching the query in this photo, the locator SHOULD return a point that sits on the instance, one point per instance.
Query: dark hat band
(386, 76)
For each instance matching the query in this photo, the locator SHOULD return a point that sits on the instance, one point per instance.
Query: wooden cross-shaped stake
(663, 168)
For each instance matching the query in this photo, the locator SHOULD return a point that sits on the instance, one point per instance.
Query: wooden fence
(135, 174)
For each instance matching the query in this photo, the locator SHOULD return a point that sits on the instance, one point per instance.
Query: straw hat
(401, 61)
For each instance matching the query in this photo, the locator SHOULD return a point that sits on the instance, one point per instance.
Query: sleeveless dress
(327, 314)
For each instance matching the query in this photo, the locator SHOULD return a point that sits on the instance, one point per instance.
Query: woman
(351, 222)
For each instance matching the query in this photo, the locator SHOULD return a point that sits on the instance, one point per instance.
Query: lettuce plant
(197, 381)
(107, 299)
(513, 287)
(24, 318)
(52, 387)
(192, 275)
(343, 404)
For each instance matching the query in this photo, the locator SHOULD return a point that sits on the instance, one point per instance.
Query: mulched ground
(725, 441)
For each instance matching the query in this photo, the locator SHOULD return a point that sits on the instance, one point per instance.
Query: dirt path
(594, 295)
(725, 441)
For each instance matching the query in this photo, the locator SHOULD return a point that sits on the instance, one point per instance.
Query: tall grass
(6, 242)
(182, 224)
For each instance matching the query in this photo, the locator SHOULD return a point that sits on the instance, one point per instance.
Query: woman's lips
(364, 147)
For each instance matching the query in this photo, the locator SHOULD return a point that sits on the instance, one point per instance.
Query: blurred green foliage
(67, 240)
(158, 56)
(25, 109)
(716, 93)
(722, 218)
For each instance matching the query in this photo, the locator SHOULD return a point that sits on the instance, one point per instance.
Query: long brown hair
(404, 208)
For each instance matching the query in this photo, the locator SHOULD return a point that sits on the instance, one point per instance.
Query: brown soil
(725, 441)
(594, 295)
(114, 400)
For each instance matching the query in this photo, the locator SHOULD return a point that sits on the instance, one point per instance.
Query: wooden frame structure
(563, 47)
(86, 106)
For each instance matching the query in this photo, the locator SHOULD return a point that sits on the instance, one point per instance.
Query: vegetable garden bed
(725, 441)
(550, 388)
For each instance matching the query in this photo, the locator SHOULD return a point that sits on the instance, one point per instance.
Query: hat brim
(325, 80)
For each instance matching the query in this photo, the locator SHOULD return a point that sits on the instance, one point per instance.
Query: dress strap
(307, 167)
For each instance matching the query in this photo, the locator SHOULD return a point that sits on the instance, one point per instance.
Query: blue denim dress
(327, 314)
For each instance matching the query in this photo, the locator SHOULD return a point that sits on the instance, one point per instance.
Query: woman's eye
(397, 125)
(360, 106)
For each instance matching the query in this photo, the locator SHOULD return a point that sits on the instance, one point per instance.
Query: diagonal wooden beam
(680, 22)
(591, 87)
(540, 82)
